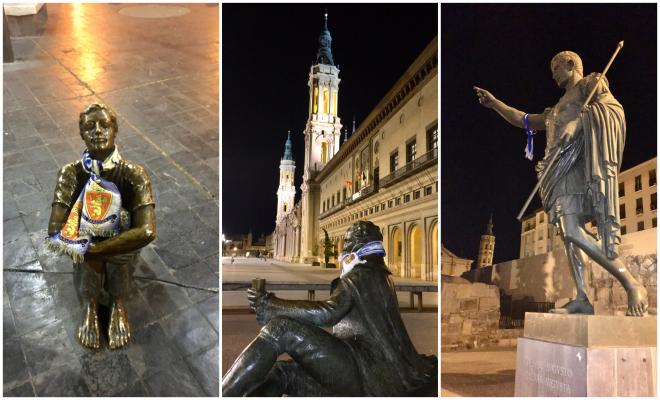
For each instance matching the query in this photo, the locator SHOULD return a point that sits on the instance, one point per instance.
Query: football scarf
(350, 260)
(96, 212)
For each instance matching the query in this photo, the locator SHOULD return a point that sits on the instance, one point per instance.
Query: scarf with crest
(96, 212)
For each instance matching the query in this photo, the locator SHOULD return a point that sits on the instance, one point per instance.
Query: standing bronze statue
(102, 215)
(368, 353)
(578, 175)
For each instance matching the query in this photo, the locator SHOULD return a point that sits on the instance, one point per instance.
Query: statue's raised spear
(558, 148)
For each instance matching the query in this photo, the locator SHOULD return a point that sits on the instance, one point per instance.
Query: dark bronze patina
(586, 132)
(368, 353)
(103, 278)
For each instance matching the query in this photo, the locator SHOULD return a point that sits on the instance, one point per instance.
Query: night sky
(506, 49)
(267, 51)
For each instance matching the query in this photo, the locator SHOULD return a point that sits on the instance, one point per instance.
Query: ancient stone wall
(546, 277)
(470, 314)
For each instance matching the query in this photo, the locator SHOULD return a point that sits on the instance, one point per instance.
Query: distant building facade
(453, 265)
(386, 172)
(637, 210)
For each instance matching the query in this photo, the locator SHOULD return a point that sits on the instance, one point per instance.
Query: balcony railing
(421, 162)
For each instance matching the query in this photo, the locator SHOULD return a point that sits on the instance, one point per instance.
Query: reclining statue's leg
(575, 234)
(119, 271)
(325, 358)
(89, 287)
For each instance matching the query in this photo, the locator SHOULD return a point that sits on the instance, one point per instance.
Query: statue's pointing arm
(319, 313)
(508, 113)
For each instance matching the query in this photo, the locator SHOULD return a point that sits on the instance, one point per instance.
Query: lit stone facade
(637, 209)
(387, 173)
(286, 191)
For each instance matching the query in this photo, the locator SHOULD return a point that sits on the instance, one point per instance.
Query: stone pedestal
(586, 355)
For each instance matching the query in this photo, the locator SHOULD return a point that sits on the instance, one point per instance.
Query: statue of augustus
(586, 142)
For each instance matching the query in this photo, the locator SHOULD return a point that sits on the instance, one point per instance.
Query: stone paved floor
(478, 373)
(161, 77)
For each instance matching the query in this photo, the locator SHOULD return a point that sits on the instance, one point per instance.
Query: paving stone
(13, 229)
(199, 275)
(137, 389)
(18, 252)
(165, 299)
(107, 373)
(15, 368)
(190, 331)
(8, 326)
(62, 382)
(206, 367)
(176, 380)
(48, 348)
(177, 254)
(34, 311)
(24, 390)
(151, 351)
(21, 284)
(211, 310)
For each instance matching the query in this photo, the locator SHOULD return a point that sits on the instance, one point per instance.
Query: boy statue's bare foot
(89, 331)
(638, 302)
(119, 331)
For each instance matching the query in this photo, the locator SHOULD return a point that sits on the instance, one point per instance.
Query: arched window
(326, 100)
(324, 152)
(315, 102)
(285, 207)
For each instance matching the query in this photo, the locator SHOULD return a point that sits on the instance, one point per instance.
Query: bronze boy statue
(581, 185)
(369, 352)
(102, 215)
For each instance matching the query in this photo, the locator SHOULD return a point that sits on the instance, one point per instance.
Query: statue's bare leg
(118, 274)
(581, 303)
(89, 283)
(637, 295)
(325, 358)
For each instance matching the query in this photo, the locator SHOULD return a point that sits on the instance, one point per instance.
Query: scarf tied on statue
(96, 212)
(350, 260)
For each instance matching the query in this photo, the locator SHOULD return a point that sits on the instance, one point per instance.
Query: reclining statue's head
(359, 234)
(98, 129)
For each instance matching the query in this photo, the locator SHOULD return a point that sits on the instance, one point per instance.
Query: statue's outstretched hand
(260, 303)
(486, 98)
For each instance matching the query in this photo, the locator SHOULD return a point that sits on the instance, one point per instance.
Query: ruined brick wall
(470, 314)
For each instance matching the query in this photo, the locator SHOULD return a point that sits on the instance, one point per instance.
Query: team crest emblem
(97, 202)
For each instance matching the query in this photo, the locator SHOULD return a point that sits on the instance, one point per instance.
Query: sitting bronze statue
(102, 215)
(369, 352)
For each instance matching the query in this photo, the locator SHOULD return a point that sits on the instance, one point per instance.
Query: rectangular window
(622, 211)
(541, 218)
(416, 194)
(406, 197)
(428, 190)
(382, 206)
(638, 183)
(377, 208)
(397, 201)
(390, 203)
(640, 226)
(654, 201)
(333, 201)
(622, 189)
(394, 161)
(371, 210)
(623, 230)
(652, 177)
(654, 222)
(432, 137)
(398, 248)
(639, 208)
(411, 151)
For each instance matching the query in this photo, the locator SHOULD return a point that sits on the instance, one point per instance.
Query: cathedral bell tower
(286, 191)
(322, 135)
(487, 246)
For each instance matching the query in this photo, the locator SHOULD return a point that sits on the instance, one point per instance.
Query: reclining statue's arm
(320, 313)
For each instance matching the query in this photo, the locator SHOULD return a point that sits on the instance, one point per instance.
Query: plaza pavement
(478, 373)
(161, 77)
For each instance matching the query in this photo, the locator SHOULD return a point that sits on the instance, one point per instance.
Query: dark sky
(267, 51)
(506, 49)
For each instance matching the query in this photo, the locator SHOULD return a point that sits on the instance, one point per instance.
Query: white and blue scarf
(96, 212)
(350, 260)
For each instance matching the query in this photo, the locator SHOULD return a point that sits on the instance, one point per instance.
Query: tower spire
(353, 125)
(324, 55)
(489, 227)
(288, 154)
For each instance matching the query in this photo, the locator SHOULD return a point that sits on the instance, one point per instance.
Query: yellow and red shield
(97, 202)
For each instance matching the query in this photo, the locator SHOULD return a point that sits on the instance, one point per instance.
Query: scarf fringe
(60, 249)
